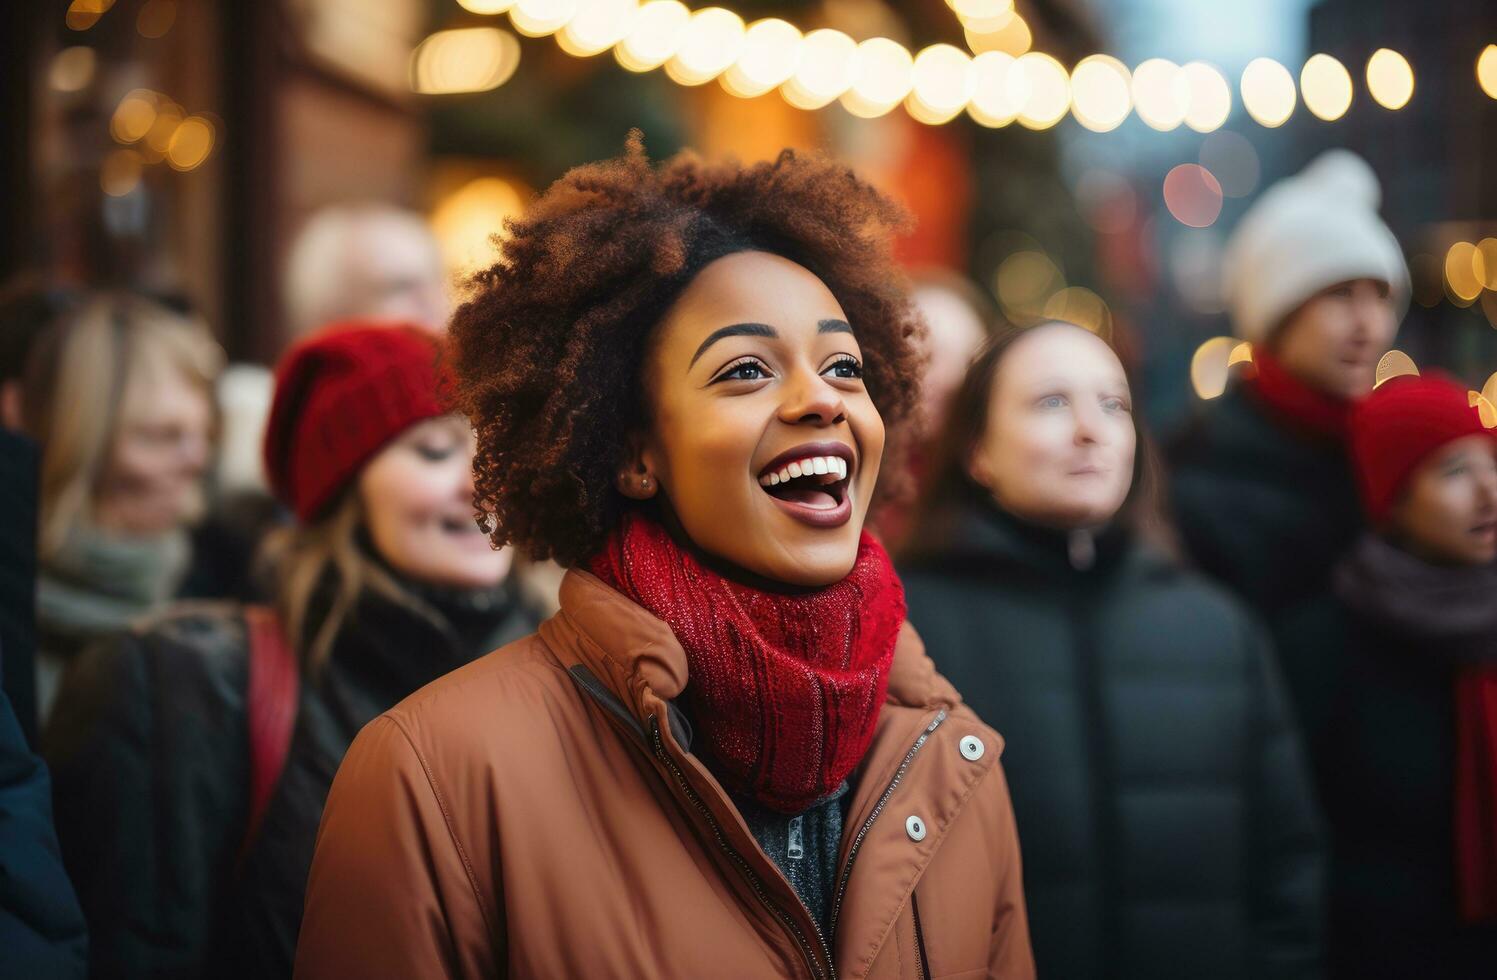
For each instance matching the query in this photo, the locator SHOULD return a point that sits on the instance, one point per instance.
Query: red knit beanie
(1396, 427)
(340, 396)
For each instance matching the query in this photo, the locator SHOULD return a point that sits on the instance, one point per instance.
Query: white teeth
(812, 466)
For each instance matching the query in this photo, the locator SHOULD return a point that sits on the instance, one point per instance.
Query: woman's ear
(636, 478)
(977, 466)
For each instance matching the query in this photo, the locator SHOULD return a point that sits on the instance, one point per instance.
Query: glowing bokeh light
(943, 84)
(541, 18)
(72, 69)
(654, 35)
(1100, 96)
(470, 59)
(119, 173)
(1486, 70)
(190, 143)
(1484, 262)
(1161, 94)
(1390, 79)
(1024, 283)
(1209, 367)
(1012, 37)
(1081, 306)
(1461, 271)
(134, 117)
(597, 26)
(883, 75)
(1325, 86)
(83, 14)
(1394, 364)
(771, 49)
(1268, 92)
(980, 10)
(825, 69)
(156, 17)
(998, 89)
(465, 221)
(712, 42)
(1048, 95)
(1208, 98)
(486, 6)
(1193, 195)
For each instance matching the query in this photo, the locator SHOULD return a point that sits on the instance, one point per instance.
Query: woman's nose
(810, 399)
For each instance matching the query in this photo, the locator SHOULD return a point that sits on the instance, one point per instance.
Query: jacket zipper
(877, 809)
(748, 872)
(922, 965)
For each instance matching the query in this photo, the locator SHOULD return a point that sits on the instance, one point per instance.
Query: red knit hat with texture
(1396, 427)
(341, 394)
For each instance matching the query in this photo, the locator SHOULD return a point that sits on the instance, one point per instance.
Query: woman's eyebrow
(833, 326)
(736, 330)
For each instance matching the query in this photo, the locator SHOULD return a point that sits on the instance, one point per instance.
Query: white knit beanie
(1305, 233)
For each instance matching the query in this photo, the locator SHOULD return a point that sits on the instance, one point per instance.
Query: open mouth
(811, 484)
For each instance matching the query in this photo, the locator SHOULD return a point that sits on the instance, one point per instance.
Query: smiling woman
(728, 752)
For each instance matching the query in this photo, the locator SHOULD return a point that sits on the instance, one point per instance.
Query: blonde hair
(301, 559)
(74, 388)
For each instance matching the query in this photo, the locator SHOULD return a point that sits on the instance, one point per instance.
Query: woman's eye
(1115, 405)
(845, 367)
(1053, 401)
(434, 453)
(743, 371)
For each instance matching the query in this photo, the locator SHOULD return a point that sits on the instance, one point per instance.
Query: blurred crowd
(1246, 675)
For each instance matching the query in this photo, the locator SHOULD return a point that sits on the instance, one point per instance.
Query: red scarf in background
(1312, 410)
(1452, 612)
(783, 689)
(1476, 793)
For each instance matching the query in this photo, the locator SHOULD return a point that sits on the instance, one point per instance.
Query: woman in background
(1168, 826)
(192, 756)
(118, 392)
(1403, 732)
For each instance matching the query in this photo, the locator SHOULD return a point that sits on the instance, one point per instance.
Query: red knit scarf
(783, 689)
(1310, 409)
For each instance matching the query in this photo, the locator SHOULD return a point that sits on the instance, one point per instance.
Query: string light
(1209, 98)
(1048, 95)
(1268, 92)
(1394, 364)
(711, 42)
(943, 84)
(1390, 79)
(825, 69)
(1161, 94)
(1100, 97)
(1486, 70)
(883, 75)
(1325, 85)
(999, 89)
(1000, 81)
(771, 51)
(470, 59)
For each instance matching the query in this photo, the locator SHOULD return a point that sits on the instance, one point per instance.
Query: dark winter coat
(1265, 507)
(41, 927)
(149, 747)
(1382, 732)
(1163, 805)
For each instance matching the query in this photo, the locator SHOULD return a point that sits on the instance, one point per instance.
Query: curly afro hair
(548, 351)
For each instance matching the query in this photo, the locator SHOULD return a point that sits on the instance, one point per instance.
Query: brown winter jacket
(538, 813)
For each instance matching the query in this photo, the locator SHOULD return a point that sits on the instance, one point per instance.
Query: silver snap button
(915, 827)
(972, 748)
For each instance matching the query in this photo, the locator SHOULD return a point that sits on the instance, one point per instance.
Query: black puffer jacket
(1162, 801)
(149, 749)
(1266, 508)
(1387, 648)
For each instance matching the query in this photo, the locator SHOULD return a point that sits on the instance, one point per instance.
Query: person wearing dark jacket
(1402, 718)
(190, 856)
(41, 928)
(1261, 486)
(1168, 824)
